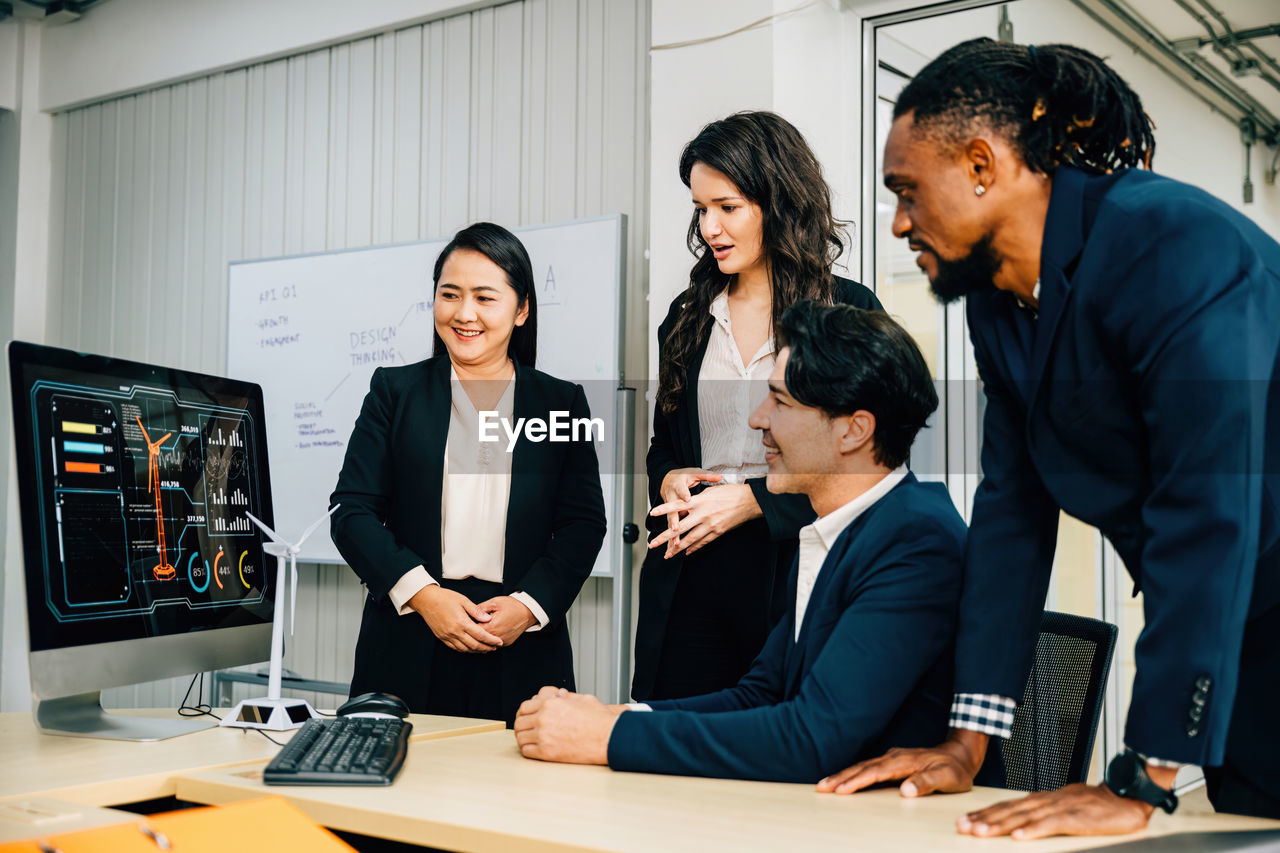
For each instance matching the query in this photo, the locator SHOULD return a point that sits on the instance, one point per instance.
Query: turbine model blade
(314, 525)
(293, 596)
(275, 537)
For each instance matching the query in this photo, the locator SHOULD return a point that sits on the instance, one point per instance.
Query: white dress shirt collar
(831, 525)
(816, 539)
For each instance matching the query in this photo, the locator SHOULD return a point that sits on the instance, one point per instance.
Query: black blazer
(677, 443)
(872, 667)
(388, 522)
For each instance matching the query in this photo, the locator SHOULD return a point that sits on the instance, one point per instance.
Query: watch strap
(1141, 788)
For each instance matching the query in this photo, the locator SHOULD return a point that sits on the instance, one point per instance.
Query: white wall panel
(522, 113)
(10, 85)
(9, 134)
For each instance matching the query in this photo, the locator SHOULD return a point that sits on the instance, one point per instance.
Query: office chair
(1054, 727)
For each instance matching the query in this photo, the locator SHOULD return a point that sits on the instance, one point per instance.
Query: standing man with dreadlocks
(1126, 328)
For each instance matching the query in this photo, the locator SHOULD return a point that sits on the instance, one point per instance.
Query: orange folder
(267, 824)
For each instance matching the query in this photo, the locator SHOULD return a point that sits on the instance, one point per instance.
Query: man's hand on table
(1074, 810)
(557, 725)
(949, 768)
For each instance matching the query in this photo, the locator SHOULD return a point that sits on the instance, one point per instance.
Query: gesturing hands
(456, 621)
(694, 521)
(676, 486)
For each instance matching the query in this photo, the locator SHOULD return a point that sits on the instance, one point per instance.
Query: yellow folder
(267, 824)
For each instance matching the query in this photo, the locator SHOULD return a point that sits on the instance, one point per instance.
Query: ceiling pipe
(1253, 107)
(1232, 101)
(1239, 35)
(1242, 65)
(1220, 45)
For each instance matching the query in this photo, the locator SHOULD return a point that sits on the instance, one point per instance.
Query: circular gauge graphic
(199, 577)
(240, 569)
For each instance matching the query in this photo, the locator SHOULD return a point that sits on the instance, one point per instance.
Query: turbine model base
(275, 715)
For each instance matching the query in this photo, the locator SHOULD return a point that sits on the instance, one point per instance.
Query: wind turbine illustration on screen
(274, 712)
(163, 571)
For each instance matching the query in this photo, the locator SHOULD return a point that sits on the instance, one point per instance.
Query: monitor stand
(82, 716)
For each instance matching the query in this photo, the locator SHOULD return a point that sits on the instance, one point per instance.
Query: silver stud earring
(979, 189)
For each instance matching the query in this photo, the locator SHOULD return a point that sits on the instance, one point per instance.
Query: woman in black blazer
(471, 556)
(721, 546)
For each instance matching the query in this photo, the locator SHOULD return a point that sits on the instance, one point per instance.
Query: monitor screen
(135, 481)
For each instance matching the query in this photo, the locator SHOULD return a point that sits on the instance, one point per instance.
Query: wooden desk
(478, 793)
(36, 817)
(110, 772)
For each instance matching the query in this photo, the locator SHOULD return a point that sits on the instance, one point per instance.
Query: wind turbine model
(273, 712)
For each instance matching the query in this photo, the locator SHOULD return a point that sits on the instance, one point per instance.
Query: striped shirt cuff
(983, 712)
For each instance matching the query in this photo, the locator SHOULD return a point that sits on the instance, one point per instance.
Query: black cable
(201, 708)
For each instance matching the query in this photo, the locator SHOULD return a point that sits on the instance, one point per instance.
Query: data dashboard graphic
(150, 496)
(142, 497)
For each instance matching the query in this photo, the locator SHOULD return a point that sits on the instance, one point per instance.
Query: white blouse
(476, 489)
(728, 392)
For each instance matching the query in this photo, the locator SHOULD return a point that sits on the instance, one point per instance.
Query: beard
(973, 273)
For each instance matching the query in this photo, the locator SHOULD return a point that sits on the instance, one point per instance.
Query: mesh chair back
(1054, 727)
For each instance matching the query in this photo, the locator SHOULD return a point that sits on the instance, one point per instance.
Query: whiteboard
(311, 329)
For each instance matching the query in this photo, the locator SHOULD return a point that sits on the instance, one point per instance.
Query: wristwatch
(1127, 777)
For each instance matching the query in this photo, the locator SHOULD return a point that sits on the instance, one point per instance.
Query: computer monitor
(134, 481)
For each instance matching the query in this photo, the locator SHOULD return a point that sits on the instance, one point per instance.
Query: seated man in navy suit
(863, 661)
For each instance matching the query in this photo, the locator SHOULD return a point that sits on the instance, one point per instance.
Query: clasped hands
(560, 725)
(465, 626)
(694, 521)
(1073, 810)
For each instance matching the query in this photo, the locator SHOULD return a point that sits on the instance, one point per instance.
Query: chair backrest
(1054, 727)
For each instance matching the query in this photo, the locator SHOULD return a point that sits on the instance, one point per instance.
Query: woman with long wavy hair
(721, 546)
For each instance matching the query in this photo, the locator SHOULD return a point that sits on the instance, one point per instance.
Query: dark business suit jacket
(872, 668)
(677, 443)
(389, 522)
(1138, 402)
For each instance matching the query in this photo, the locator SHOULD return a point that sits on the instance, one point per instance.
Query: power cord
(768, 19)
(203, 709)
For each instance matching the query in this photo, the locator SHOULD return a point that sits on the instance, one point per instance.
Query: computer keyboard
(342, 751)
